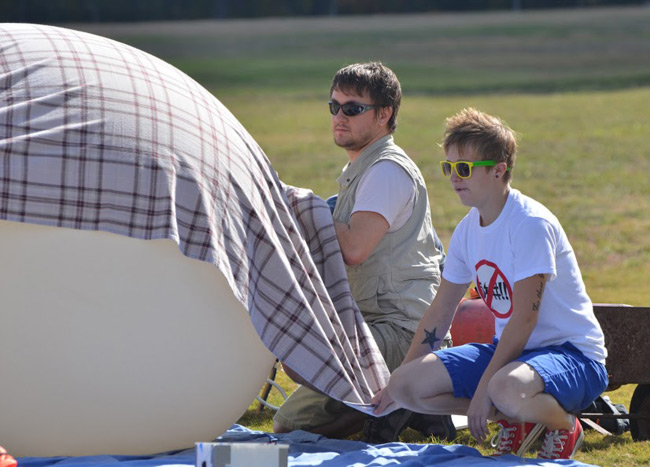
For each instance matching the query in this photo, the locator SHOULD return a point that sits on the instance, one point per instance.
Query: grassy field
(575, 85)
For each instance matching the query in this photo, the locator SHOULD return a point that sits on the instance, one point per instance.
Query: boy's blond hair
(488, 136)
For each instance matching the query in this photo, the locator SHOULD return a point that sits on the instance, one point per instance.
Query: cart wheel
(640, 404)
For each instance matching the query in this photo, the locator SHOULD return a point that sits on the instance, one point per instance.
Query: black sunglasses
(350, 109)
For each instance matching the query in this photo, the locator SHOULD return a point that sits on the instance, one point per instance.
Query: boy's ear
(500, 169)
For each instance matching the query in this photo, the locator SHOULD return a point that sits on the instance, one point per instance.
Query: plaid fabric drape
(97, 135)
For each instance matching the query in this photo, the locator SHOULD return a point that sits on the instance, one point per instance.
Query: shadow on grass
(596, 441)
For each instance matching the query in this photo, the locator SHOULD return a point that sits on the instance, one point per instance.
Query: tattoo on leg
(430, 338)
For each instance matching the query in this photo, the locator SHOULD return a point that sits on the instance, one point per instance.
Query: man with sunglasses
(547, 359)
(392, 253)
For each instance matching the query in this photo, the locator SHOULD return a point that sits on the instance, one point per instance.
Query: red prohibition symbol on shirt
(494, 288)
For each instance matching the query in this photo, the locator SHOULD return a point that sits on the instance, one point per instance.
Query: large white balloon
(150, 256)
(111, 344)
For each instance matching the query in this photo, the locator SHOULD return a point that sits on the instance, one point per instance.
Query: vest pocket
(364, 291)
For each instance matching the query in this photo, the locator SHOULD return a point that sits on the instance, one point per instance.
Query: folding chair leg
(270, 384)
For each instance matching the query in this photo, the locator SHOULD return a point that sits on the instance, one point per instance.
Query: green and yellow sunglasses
(464, 168)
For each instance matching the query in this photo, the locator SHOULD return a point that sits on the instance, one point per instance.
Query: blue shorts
(573, 379)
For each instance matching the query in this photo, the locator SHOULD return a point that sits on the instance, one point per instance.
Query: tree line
(61, 11)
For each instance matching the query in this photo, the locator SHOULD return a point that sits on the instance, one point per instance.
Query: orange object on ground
(6, 460)
(473, 322)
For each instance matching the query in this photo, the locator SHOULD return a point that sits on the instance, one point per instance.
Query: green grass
(575, 85)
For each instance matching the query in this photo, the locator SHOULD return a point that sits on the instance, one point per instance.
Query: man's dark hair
(377, 80)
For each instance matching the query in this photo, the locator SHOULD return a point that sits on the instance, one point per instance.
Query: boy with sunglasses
(392, 254)
(548, 356)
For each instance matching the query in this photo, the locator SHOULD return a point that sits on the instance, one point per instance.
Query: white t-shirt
(526, 239)
(386, 188)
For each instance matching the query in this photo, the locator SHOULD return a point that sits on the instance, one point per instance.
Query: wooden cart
(627, 338)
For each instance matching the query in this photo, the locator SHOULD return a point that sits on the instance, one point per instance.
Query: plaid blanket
(97, 135)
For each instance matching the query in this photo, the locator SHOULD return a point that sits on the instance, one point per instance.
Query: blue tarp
(306, 449)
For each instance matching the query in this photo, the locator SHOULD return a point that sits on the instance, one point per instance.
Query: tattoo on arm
(540, 292)
(430, 338)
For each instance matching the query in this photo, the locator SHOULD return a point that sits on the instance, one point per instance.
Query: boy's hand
(480, 409)
(384, 404)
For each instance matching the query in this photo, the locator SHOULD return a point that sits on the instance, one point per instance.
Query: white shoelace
(502, 441)
(553, 444)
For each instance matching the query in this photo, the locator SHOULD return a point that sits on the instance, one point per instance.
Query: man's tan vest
(400, 278)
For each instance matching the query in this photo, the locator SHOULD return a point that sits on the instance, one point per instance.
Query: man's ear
(384, 115)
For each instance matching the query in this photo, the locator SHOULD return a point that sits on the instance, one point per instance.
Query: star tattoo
(431, 338)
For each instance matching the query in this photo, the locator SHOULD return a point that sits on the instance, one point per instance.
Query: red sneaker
(6, 460)
(562, 444)
(516, 437)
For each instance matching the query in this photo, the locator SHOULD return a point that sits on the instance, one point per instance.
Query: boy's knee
(511, 390)
(506, 397)
(410, 384)
(499, 389)
(400, 386)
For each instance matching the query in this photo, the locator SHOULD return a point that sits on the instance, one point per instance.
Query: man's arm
(361, 236)
(384, 191)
